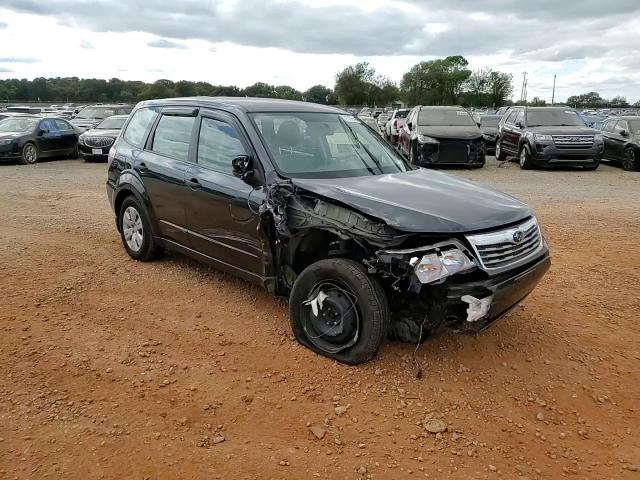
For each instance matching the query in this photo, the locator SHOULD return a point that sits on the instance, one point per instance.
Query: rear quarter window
(139, 125)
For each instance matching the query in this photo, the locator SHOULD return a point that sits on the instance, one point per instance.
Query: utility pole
(524, 85)
(553, 94)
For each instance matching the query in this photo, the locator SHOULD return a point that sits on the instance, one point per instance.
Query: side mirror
(624, 133)
(409, 125)
(242, 167)
(43, 131)
(519, 124)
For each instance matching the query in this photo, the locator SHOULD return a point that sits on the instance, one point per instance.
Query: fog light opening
(478, 307)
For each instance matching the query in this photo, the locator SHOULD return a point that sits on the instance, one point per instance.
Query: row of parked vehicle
(557, 136)
(28, 137)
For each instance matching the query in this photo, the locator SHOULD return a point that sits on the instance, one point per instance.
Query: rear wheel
(526, 163)
(630, 160)
(135, 231)
(29, 154)
(338, 310)
(501, 156)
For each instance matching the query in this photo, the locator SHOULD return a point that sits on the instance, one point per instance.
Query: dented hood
(422, 200)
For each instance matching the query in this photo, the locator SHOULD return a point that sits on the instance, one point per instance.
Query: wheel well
(318, 245)
(122, 194)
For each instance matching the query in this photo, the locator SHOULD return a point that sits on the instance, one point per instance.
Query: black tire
(370, 301)
(75, 153)
(148, 250)
(631, 162)
(524, 158)
(413, 153)
(501, 156)
(30, 154)
(591, 168)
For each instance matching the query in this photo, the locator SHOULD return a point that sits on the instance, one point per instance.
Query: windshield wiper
(354, 135)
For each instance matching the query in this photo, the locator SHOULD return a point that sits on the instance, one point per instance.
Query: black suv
(442, 136)
(308, 202)
(548, 136)
(622, 141)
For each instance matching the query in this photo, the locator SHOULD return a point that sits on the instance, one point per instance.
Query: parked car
(370, 122)
(89, 117)
(442, 136)
(548, 136)
(94, 144)
(306, 201)
(29, 138)
(24, 109)
(489, 127)
(395, 123)
(622, 141)
(382, 120)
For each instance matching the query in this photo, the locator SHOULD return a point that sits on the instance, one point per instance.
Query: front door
(221, 212)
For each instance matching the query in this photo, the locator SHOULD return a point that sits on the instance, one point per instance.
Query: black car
(442, 136)
(489, 126)
(548, 136)
(622, 141)
(94, 144)
(308, 202)
(27, 139)
(89, 117)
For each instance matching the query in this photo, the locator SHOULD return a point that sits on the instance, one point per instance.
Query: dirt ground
(118, 369)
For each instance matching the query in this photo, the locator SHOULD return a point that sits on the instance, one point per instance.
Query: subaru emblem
(518, 235)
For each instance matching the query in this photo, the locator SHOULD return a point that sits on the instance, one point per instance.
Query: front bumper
(93, 153)
(451, 152)
(9, 152)
(550, 155)
(440, 306)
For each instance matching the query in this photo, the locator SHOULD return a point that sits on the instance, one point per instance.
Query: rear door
(50, 140)
(508, 135)
(222, 224)
(607, 134)
(68, 135)
(618, 141)
(162, 166)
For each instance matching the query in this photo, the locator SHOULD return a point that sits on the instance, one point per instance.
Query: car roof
(490, 115)
(248, 104)
(117, 116)
(438, 107)
(109, 105)
(625, 117)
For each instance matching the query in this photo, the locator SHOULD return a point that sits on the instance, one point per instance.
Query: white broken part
(316, 303)
(478, 307)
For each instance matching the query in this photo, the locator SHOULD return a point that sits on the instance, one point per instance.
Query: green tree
(318, 94)
(286, 92)
(436, 82)
(353, 84)
(260, 89)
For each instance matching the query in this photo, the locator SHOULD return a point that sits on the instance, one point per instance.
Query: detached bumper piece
(448, 151)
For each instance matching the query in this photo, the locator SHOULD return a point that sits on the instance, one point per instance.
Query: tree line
(443, 81)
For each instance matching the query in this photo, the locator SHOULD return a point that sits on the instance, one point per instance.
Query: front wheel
(340, 311)
(593, 167)
(630, 160)
(526, 163)
(29, 154)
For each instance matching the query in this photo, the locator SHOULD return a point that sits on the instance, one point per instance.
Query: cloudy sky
(589, 44)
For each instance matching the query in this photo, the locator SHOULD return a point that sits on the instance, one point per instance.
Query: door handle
(142, 167)
(194, 183)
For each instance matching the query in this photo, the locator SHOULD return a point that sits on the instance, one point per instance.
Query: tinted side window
(172, 136)
(519, 118)
(620, 126)
(511, 117)
(219, 143)
(50, 125)
(138, 126)
(62, 125)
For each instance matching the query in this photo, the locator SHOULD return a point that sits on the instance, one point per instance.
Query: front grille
(98, 142)
(573, 141)
(509, 247)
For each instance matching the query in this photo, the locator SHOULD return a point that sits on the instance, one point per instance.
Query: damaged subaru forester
(310, 203)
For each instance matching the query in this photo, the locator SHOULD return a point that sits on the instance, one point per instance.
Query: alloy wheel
(629, 161)
(133, 229)
(30, 153)
(523, 157)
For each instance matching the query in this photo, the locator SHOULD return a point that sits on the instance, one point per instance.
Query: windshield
(325, 145)
(402, 113)
(553, 118)
(489, 121)
(112, 123)
(98, 112)
(634, 125)
(455, 118)
(18, 124)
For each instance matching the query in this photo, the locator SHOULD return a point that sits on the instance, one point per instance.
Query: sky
(591, 45)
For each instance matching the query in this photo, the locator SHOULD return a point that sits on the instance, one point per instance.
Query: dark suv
(622, 141)
(548, 136)
(308, 202)
(442, 136)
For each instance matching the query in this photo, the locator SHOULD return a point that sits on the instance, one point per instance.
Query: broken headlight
(438, 266)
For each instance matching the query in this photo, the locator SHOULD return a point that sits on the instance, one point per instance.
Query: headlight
(81, 140)
(6, 141)
(425, 139)
(437, 266)
(598, 138)
(543, 138)
(488, 137)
